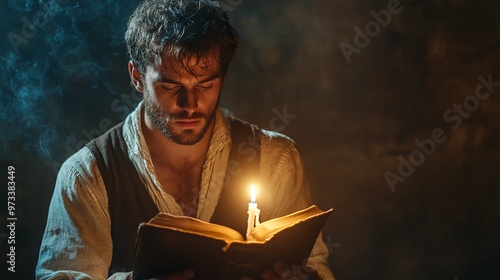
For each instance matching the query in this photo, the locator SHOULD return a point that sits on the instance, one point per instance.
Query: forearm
(318, 260)
(77, 240)
(69, 274)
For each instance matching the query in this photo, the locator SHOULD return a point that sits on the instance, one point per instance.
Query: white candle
(253, 212)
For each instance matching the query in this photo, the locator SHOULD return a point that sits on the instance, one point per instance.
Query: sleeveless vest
(130, 204)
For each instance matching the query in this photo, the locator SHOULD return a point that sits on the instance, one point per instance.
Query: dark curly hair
(182, 30)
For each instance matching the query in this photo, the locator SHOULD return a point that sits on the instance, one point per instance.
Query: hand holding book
(282, 270)
(168, 244)
(185, 274)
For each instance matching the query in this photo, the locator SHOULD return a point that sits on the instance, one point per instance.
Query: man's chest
(183, 185)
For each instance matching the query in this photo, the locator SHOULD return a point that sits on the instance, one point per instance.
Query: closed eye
(204, 87)
(170, 87)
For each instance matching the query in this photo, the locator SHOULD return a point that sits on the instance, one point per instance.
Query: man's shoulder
(266, 136)
(108, 136)
(84, 156)
(278, 145)
(79, 166)
(277, 137)
(84, 159)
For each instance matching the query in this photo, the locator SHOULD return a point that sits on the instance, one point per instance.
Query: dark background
(354, 121)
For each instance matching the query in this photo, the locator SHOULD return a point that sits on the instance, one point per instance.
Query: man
(174, 153)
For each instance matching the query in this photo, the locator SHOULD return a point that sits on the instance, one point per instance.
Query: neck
(163, 150)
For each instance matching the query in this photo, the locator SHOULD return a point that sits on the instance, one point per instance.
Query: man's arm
(282, 167)
(77, 240)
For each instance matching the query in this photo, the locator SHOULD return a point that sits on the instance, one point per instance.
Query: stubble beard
(164, 123)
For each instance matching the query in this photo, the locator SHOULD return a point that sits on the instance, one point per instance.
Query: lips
(188, 123)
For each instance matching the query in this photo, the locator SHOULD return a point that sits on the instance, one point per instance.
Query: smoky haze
(394, 106)
(53, 50)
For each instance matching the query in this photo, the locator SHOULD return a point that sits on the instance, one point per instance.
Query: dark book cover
(161, 250)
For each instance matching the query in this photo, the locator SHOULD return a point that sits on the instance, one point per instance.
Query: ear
(135, 76)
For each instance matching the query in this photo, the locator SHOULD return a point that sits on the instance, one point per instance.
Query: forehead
(197, 66)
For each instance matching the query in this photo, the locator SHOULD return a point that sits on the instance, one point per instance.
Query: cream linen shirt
(77, 241)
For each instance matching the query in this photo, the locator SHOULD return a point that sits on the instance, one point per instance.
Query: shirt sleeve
(282, 167)
(77, 239)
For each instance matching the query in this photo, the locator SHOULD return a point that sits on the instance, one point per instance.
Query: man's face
(179, 104)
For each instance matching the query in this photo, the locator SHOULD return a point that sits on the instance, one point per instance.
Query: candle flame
(253, 193)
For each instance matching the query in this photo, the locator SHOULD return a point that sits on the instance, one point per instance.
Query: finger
(269, 275)
(181, 275)
(282, 269)
(312, 272)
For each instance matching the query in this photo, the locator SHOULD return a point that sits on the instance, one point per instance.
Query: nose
(188, 100)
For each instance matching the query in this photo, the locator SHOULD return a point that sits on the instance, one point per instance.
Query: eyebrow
(164, 79)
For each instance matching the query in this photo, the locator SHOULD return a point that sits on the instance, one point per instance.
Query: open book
(170, 243)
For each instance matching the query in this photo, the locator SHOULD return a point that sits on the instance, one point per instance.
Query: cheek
(214, 95)
(150, 97)
(211, 100)
(158, 96)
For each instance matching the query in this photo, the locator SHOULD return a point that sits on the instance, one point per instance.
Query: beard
(164, 123)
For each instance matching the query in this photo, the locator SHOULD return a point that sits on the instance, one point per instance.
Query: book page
(195, 226)
(269, 228)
